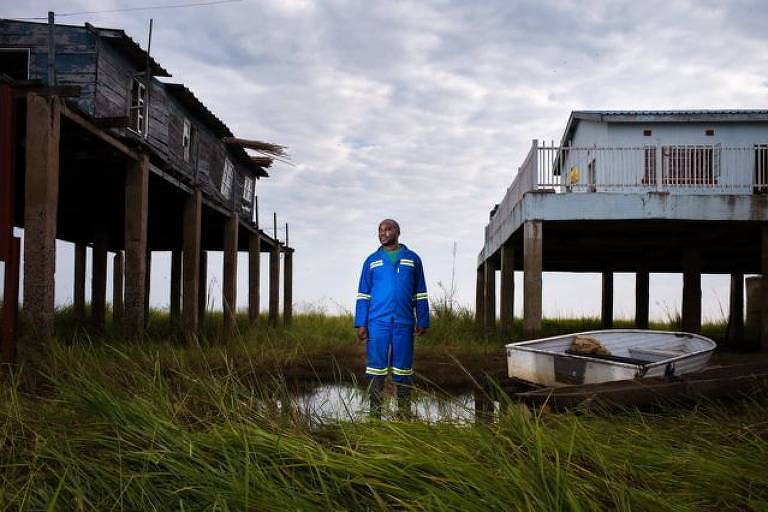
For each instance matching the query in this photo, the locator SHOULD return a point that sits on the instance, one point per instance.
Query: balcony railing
(684, 169)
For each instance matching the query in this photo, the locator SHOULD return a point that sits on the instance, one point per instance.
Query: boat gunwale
(520, 345)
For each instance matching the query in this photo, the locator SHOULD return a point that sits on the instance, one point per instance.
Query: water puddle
(348, 402)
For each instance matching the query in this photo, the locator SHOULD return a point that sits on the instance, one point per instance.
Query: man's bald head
(389, 232)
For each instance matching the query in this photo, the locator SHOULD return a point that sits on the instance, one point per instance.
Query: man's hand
(362, 334)
(420, 331)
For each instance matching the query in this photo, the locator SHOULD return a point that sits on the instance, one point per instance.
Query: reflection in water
(347, 402)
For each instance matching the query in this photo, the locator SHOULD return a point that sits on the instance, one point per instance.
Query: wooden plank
(99, 280)
(254, 277)
(229, 288)
(100, 134)
(137, 206)
(78, 299)
(64, 91)
(175, 288)
(10, 303)
(202, 290)
(191, 264)
(274, 284)
(40, 212)
(287, 288)
(7, 169)
(118, 270)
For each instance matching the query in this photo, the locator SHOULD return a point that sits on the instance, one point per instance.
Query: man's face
(387, 233)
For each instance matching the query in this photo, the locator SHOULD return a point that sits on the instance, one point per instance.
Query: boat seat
(655, 352)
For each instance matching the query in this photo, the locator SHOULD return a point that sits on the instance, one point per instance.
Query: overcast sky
(422, 111)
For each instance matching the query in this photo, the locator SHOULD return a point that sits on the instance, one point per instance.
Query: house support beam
(202, 288)
(78, 295)
(147, 286)
(136, 208)
(642, 297)
(229, 289)
(607, 300)
(191, 263)
(532, 269)
(118, 269)
(175, 302)
(691, 321)
(507, 297)
(480, 295)
(99, 280)
(274, 283)
(734, 335)
(764, 290)
(254, 278)
(287, 288)
(40, 212)
(10, 307)
(490, 296)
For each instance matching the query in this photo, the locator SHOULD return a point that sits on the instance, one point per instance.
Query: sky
(422, 111)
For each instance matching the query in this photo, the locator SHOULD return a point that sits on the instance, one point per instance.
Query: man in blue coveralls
(391, 306)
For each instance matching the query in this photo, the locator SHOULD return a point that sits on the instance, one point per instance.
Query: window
(592, 175)
(683, 165)
(709, 132)
(226, 178)
(186, 139)
(647, 133)
(761, 169)
(14, 62)
(137, 111)
(247, 189)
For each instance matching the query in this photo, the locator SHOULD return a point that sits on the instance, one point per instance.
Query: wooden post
(7, 169)
(274, 283)
(99, 280)
(642, 296)
(136, 208)
(147, 286)
(11, 302)
(192, 264)
(734, 334)
(490, 296)
(287, 288)
(40, 211)
(175, 302)
(202, 289)
(532, 269)
(78, 299)
(229, 288)
(507, 289)
(254, 267)
(764, 291)
(118, 268)
(691, 321)
(480, 296)
(607, 302)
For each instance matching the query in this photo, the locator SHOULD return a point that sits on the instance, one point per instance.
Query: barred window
(136, 112)
(683, 165)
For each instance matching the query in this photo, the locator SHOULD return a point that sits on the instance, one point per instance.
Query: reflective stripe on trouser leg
(402, 353)
(379, 340)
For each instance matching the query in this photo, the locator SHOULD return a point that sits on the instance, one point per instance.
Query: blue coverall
(391, 298)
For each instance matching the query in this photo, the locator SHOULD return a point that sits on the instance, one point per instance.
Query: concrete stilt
(490, 296)
(691, 320)
(532, 269)
(118, 268)
(480, 296)
(136, 208)
(40, 212)
(254, 277)
(607, 300)
(191, 264)
(175, 302)
(99, 280)
(229, 288)
(642, 297)
(507, 295)
(274, 284)
(287, 288)
(78, 296)
(734, 335)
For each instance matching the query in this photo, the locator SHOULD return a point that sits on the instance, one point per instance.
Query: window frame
(137, 108)
(227, 178)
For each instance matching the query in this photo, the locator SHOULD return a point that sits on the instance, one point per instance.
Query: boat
(616, 354)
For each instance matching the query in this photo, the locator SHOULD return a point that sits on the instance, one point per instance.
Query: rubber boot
(404, 401)
(375, 397)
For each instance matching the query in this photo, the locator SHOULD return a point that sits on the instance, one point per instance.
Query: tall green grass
(102, 428)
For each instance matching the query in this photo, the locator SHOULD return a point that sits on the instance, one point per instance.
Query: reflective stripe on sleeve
(364, 296)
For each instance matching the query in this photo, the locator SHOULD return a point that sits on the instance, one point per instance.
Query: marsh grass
(95, 422)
